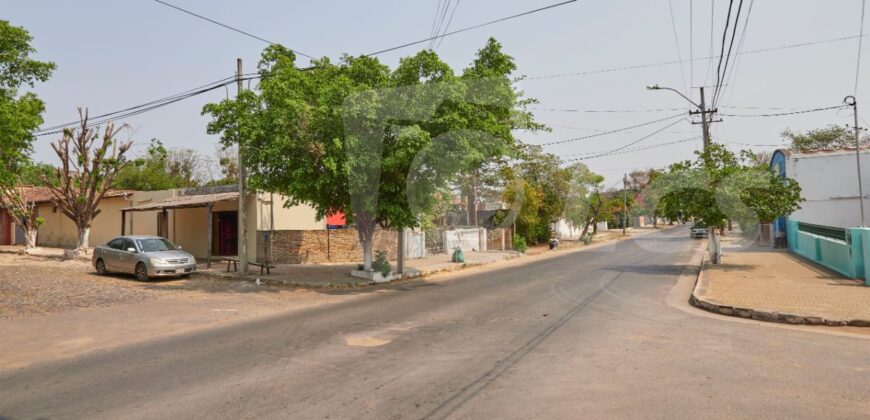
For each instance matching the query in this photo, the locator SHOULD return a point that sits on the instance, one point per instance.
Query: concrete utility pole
(243, 205)
(850, 101)
(705, 125)
(624, 203)
(702, 111)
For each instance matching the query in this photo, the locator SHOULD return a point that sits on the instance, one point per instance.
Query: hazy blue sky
(112, 54)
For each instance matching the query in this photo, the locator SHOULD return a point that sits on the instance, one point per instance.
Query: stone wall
(316, 246)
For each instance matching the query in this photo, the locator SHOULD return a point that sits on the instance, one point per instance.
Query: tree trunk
(83, 236)
(365, 228)
(30, 237)
(585, 229)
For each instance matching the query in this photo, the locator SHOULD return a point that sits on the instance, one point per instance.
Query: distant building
(829, 185)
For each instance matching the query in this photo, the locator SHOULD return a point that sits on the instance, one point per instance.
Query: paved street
(585, 334)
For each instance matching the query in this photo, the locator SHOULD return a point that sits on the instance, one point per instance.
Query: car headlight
(158, 261)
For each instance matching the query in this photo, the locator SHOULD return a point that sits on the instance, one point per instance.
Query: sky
(111, 55)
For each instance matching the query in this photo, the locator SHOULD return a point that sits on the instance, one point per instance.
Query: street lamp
(702, 109)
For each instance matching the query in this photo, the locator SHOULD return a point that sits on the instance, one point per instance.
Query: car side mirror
(131, 249)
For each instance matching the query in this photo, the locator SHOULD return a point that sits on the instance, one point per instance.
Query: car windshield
(699, 225)
(155, 244)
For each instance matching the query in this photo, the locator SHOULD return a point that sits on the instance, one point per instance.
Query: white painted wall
(465, 239)
(564, 230)
(829, 187)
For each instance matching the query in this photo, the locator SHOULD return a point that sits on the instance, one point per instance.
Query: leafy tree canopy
(830, 137)
(20, 114)
(721, 185)
(373, 143)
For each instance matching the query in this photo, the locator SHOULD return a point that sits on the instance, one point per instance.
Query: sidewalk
(775, 285)
(338, 274)
(332, 275)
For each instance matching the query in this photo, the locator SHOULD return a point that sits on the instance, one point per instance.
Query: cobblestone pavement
(769, 280)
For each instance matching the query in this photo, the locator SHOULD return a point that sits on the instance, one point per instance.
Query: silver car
(144, 257)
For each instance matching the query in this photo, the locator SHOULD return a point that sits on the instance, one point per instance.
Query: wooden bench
(234, 263)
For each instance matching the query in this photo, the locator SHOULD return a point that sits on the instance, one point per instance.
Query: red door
(227, 238)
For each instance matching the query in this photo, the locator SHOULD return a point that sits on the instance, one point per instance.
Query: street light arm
(657, 87)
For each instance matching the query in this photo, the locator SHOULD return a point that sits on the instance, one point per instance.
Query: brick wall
(312, 246)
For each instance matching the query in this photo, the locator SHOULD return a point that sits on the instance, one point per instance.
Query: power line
(228, 27)
(468, 28)
(722, 48)
(731, 78)
(861, 32)
(605, 111)
(155, 104)
(677, 42)
(625, 146)
(712, 32)
(449, 21)
(604, 133)
(672, 62)
(135, 110)
(781, 114)
(156, 101)
(584, 154)
(639, 149)
(439, 22)
(435, 21)
(718, 91)
(721, 79)
(691, 44)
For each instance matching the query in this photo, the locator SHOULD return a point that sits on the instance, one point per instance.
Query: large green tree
(545, 188)
(583, 207)
(721, 185)
(20, 115)
(376, 144)
(161, 169)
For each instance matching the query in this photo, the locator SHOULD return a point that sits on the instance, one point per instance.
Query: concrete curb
(407, 276)
(417, 273)
(699, 300)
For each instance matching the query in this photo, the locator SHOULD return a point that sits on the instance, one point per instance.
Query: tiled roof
(183, 201)
(34, 194)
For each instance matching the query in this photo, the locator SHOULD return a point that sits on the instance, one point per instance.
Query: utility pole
(704, 123)
(702, 111)
(851, 101)
(624, 203)
(243, 205)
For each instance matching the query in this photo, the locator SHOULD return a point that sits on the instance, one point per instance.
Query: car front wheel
(101, 267)
(141, 272)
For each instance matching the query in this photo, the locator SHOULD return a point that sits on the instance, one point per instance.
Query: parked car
(698, 230)
(144, 257)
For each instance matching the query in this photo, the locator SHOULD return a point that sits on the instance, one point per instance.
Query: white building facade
(829, 185)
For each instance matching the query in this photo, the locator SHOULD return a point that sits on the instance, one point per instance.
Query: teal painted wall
(851, 260)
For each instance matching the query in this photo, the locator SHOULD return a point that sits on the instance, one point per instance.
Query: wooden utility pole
(243, 205)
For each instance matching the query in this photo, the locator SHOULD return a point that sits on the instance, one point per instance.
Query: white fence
(415, 244)
(473, 239)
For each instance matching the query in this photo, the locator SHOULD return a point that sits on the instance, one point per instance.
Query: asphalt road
(586, 334)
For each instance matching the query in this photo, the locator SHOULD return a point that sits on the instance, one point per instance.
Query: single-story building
(58, 230)
(829, 185)
(204, 221)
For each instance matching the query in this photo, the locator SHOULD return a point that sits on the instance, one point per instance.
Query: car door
(112, 254)
(127, 259)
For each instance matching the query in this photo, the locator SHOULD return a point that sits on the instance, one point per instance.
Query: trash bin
(554, 243)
